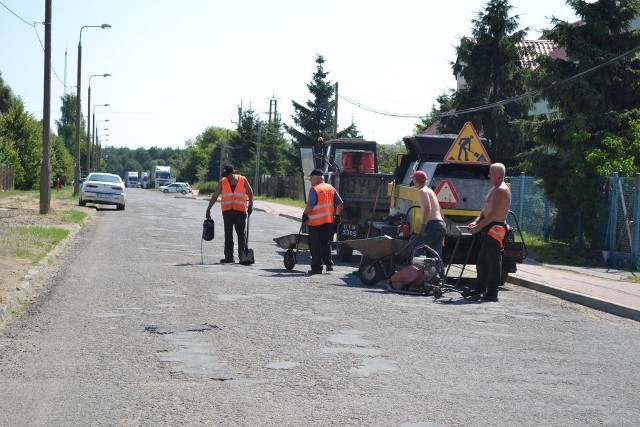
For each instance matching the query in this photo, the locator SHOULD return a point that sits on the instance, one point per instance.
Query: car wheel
(184, 192)
(120, 207)
(82, 202)
(165, 191)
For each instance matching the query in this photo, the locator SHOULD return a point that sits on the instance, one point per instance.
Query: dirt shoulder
(19, 252)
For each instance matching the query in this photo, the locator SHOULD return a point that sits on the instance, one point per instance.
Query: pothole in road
(195, 356)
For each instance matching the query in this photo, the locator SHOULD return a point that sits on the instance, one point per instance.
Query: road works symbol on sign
(446, 193)
(467, 148)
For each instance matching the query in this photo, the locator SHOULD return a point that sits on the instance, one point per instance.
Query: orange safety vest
(498, 232)
(322, 212)
(236, 200)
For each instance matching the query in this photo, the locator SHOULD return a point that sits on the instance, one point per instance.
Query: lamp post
(76, 181)
(88, 165)
(94, 113)
(96, 156)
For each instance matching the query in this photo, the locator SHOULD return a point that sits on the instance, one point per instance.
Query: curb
(27, 286)
(582, 299)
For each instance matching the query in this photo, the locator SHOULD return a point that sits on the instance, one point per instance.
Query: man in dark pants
(236, 192)
(492, 226)
(324, 206)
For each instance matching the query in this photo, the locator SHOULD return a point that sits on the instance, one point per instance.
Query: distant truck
(144, 180)
(351, 166)
(131, 180)
(160, 175)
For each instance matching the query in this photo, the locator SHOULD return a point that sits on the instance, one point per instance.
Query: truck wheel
(370, 273)
(344, 253)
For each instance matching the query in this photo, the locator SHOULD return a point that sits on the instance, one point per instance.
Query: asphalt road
(135, 330)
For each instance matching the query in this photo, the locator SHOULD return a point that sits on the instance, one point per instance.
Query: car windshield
(104, 178)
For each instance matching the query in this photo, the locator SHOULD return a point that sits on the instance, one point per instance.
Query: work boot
(227, 261)
(312, 272)
(489, 297)
(329, 267)
(466, 293)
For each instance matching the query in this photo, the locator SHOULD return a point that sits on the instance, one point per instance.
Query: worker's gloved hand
(305, 217)
(208, 214)
(336, 219)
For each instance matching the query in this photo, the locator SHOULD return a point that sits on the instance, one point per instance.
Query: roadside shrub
(206, 187)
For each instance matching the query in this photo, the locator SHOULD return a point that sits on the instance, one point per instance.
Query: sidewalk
(598, 288)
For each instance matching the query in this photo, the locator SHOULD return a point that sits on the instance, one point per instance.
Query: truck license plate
(349, 230)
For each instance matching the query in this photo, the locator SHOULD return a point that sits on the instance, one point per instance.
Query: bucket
(367, 163)
(347, 162)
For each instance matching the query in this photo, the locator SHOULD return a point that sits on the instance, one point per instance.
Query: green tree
(242, 144)
(594, 123)
(67, 123)
(22, 134)
(388, 155)
(273, 150)
(315, 118)
(6, 96)
(61, 161)
(491, 63)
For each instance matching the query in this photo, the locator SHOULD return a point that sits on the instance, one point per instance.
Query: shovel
(246, 257)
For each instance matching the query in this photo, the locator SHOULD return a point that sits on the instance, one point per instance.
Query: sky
(179, 67)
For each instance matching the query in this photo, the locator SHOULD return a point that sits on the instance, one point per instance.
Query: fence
(279, 186)
(534, 212)
(623, 236)
(7, 177)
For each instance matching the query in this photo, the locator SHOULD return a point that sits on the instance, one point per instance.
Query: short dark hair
(316, 172)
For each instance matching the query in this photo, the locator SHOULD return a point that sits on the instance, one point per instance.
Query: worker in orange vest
(322, 213)
(236, 203)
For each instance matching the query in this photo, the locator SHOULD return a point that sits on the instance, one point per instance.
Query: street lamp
(88, 165)
(94, 115)
(76, 182)
(96, 159)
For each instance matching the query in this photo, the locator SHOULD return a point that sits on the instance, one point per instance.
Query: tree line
(589, 128)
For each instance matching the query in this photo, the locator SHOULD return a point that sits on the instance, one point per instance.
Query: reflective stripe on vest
(498, 232)
(236, 200)
(322, 212)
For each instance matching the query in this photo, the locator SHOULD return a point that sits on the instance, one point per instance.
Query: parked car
(103, 189)
(176, 187)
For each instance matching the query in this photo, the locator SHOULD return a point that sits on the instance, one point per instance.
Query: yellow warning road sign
(467, 148)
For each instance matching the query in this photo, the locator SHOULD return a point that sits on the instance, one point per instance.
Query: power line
(517, 98)
(33, 25)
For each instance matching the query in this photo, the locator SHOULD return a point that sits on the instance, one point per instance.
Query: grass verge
(33, 242)
(555, 252)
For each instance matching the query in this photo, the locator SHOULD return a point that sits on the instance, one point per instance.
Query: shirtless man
(433, 228)
(492, 226)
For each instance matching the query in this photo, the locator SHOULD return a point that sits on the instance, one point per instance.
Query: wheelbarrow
(292, 243)
(376, 252)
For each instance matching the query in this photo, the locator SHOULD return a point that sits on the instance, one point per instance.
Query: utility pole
(335, 119)
(45, 170)
(256, 186)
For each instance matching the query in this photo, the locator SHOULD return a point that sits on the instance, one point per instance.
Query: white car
(103, 189)
(176, 187)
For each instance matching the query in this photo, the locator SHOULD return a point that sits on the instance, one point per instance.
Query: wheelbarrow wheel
(370, 273)
(289, 259)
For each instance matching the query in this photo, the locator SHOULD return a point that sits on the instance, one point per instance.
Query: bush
(206, 188)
